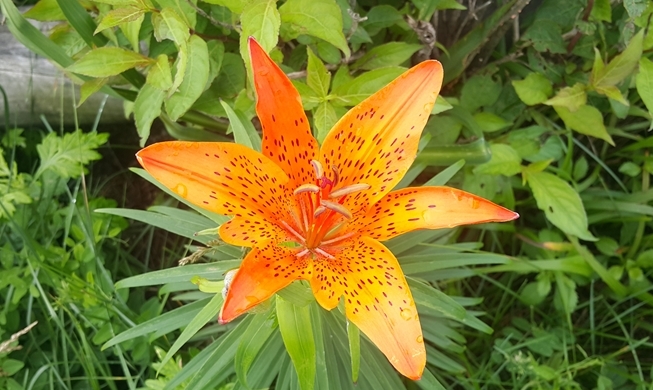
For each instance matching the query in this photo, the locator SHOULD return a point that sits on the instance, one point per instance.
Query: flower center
(320, 214)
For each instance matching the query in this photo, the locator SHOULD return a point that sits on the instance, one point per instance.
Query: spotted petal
(410, 209)
(376, 142)
(287, 137)
(377, 300)
(264, 271)
(225, 178)
(250, 230)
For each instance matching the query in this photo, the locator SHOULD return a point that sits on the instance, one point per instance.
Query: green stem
(474, 153)
(646, 182)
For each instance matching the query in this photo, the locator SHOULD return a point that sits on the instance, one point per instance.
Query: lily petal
(287, 137)
(226, 178)
(409, 209)
(249, 231)
(377, 300)
(376, 142)
(264, 271)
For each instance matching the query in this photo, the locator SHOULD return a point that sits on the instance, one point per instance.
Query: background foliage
(546, 110)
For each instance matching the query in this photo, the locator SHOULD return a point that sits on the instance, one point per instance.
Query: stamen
(306, 188)
(337, 207)
(303, 253)
(304, 213)
(339, 238)
(348, 190)
(325, 254)
(294, 232)
(319, 171)
(318, 211)
(336, 175)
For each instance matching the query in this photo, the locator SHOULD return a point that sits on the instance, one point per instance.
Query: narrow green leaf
(82, 22)
(256, 334)
(430, 298)
(297, 333)
(586, 120)
(443, 177)
(317, 75)
(241, 135)
(147, 107)
(429, 381)
(183, 8)
(107, 61)
(194, 82)
(561, 204)
(211, 271)
(644, 82)
(353, 335)
(387, 54)
(118, 17)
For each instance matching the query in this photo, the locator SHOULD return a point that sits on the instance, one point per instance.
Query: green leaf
(119, 16)
(429, 381)
(257, 333)
(602, 11)
(388, 54)
(211, 271)
(613, 93)
(131, 31)
(546, 35)
(66, 156)
(586, 120)
(635, 8)
(159, 75)
(319, 18)
(241, 134)
(231, 79)
(621, 65)
(107, 61)
(353, 335)
(505, 161)
(183, 8)
(479, 91)
(45, 11)
(147, 107)
(216, 55)
(89, 88)
(380, 17)
(324, 117)
(297, 333)
(208, 312)
(534, 89)
(260, 20)
(235, 6)
(363, 86)
(430, 298)
(570, 97)
(565, 298)
(644, 82)
(11, 366)
(490, 122)
(317, 75)
(441, 105)
(194, 82)
(561, 204)
(169, 25)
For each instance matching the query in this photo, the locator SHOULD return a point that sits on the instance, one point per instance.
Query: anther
(318, 211)
(348, 190)
(306, 188)
(319, 171)
(337, 207)
(336, 175)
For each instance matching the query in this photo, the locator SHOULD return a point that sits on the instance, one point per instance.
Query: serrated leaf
(586, 120)
(107, 61)
(505, 161)
(319, 18)
(119, 16)
(147, 107)
(194, 82)
(169, 25)
(159, 75)
(324, 117)
(261, 20)
(363, 86)
(570, 97)
(388, 54)
(45, 11)
(297, 333)
(131, 31)
(635, 7)
(317, 75)
(184, 9)
(621, 65)
(534, 89)
(67, 155)
(561, 204)
(89, 88)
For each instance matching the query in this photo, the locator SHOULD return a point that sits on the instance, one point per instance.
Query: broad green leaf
(161, 324)
(570, 97)
(45, 11)
(565, 298)
(479, 91)
(602, 10)
(635, 7)
(208, 313)
(621, 65)
(380, 17)
(118, 17)
(260, 20)
(490, 122)
(319, 18)
(613, 93)
(363, 86)
(297, 333)
(324, 117)
(231, 79)
(235, 6)
(147, 107)
(354, 337)
(89, 88)
(183, 8)
(388, 54)
(257, 333)
(107, 61)
(586, 120)
(180, 65)
(561, 204)
(195, 79)
(216, 55)
(317, 75)
(169, 25)
(159, 75)
(131, 31)
(534, 89)
(441, 105)
(505, 161)
(644, 82)
(546, 35)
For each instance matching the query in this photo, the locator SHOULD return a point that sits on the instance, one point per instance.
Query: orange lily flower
(320, 214)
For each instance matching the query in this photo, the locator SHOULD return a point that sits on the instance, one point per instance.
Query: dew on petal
(406, 314)
(181, 190)
(420, 339)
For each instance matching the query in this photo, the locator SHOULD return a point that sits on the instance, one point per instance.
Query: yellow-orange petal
(376, 142)
(249, 231)
(377, 300)
(287, 137)
(409, 209)
(222, 177)
(264, 271)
